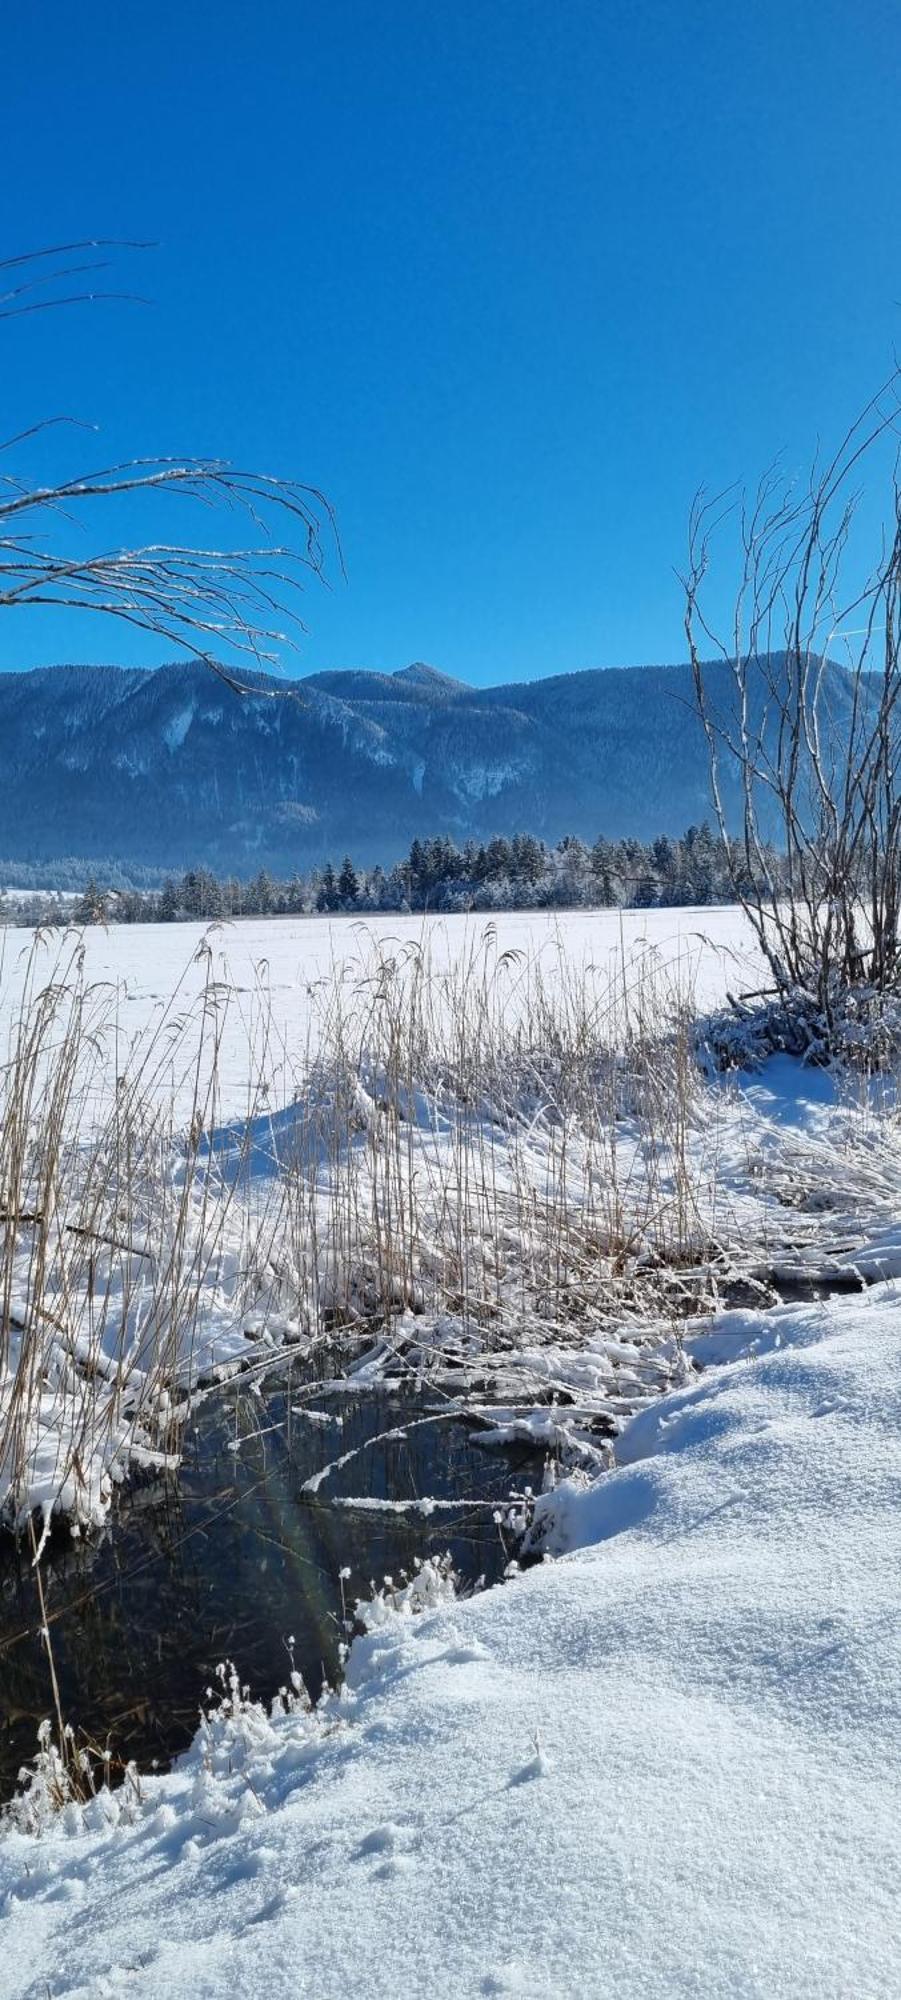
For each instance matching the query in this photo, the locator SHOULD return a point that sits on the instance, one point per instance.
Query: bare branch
(201, 599)
(811, 745)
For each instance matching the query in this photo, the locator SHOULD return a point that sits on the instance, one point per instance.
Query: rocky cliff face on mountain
(171, 767)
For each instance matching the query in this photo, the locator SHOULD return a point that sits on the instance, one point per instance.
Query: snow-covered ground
(289, 962)
(665, 1759)
(665, 1762)
(264, 1124)
(469, 1129)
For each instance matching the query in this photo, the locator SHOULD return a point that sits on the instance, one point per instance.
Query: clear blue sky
(508, 280)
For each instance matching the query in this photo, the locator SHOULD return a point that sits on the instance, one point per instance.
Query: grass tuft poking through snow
(454, 1151)
(497, 1170)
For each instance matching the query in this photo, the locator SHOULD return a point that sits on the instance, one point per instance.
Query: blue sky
(506, 280)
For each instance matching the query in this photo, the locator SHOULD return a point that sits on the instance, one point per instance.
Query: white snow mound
(666, 1763)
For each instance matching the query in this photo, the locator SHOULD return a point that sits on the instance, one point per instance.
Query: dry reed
(454, 1164)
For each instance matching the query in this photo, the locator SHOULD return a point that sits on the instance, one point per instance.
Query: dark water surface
(232, 1560)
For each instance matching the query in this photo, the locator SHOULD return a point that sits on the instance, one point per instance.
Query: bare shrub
(811, 752)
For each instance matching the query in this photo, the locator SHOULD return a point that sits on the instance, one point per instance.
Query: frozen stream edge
(666, 1762)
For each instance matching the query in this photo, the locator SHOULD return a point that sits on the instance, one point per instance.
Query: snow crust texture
(663, 1762)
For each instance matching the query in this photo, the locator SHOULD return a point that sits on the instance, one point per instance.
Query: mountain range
(171, 767)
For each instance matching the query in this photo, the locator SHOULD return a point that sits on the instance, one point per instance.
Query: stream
(232, 1560)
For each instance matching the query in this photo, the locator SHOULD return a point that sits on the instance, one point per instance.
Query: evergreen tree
(528, 858)
(167, 904)
(601, 868)
(348, 883)
(498, 857)
(377, 893)
(91, 907)
(416, 871)
(327, 897)
(262, 895)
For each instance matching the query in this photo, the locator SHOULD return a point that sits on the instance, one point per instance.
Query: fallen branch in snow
(36, 1221)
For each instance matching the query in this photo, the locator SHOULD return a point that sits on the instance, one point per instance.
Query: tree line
(519, 873)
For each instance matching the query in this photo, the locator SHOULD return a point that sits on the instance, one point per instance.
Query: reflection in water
(233, 1562)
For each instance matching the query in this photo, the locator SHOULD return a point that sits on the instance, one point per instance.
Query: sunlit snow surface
(667, 1763)
(291, 960)
(663, 1762)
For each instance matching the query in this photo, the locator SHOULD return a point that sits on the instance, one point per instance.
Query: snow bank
(665, 1763)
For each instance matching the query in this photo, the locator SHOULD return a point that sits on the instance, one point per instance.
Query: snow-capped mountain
(171, 766)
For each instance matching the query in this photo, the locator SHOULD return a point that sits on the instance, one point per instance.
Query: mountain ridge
(169, 766)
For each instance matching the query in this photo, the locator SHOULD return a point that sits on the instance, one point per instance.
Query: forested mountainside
(171, 767)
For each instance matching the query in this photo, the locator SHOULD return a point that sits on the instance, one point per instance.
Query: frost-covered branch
(803, 747)
(206, 599)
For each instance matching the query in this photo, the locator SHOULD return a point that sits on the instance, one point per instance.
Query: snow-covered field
(664, 1761)
(156, 972)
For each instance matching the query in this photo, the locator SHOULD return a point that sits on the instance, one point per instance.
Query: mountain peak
(423, 675)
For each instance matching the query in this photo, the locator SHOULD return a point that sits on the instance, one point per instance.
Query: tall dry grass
(453, 1161)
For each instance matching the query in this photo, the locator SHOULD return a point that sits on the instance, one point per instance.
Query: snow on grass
(489, 1164)
(294, 962)
(452, 1142)
(664, 1761)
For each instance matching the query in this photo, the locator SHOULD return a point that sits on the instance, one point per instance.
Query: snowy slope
(667, 1763)
(171, 768)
